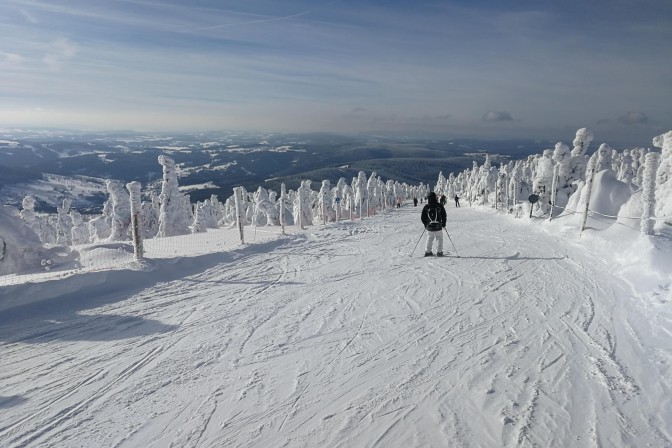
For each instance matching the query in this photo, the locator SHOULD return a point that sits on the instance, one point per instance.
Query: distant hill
(215, 163)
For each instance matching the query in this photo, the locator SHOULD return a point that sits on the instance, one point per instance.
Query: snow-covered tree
(664, 178)
(199, 219)
(543, 181)
(326, 212)
(173, 219)
(265, 213)
(604, 156)
(38, 224)
(64, 223)
(360, 193)
(563, 186)
(120, 218)
(100, 227)
(579, 161)
(303, 212)
(150, 216)
(80, 230)
(626, 172)
(649, 193)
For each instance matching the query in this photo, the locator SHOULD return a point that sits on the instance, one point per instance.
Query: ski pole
(451, 242)
(416, 244)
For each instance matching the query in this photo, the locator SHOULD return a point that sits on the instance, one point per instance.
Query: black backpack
(434, 215)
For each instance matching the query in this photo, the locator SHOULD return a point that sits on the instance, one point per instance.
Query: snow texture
(337, 337)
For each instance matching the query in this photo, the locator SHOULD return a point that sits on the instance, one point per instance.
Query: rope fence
(52, 262)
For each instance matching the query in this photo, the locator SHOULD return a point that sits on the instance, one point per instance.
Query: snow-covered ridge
(631, 189)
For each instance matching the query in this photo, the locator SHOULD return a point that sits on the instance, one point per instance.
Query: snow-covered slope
(338, 338)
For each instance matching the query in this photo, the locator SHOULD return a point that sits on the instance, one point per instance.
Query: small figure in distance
(415, 202)
(457, 201)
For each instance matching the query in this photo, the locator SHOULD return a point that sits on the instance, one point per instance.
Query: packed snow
(343, 335)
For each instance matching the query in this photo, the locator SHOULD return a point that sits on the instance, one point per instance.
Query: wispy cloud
(29, 16)
(10, 60)
(633, 118)
(494, 116)
(59, 52)
(321, 64)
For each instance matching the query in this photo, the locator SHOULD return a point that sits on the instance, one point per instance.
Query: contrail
(271, 19)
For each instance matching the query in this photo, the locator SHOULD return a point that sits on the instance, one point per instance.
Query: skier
(398, 202)
(434, 219)
(457, 201)
(443, 199)
(415, 202)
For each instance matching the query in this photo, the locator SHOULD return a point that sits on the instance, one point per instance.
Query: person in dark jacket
(433, 217)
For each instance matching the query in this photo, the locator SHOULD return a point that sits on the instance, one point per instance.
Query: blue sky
(486, 69)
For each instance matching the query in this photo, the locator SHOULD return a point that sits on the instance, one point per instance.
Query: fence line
(113, 255)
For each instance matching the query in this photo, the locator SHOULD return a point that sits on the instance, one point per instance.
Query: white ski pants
(431, 235)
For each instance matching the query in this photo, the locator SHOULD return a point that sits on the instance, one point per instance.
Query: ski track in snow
(339, 338)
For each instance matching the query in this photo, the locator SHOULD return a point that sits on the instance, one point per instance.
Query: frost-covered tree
(284, 211)
(38, 224)
(649, 193)
(664, 178)
(80, 230)
(325, 210)
(64, 223)
(360, 193)
(440, 186)
(120, 218)
(217, 210)
(173, 219)
(150, 216)
(543, 181)
(487, 181)
(626, 172)
(100, 227)
(303, 212)
(563, 184)
(210, 213)
(199, 219)
(604, 157)
(265, 213)
(579, 161)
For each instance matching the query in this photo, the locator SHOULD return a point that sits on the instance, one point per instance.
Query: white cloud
(493, 116)
(633, 118)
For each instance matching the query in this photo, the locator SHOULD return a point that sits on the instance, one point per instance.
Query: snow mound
(22, 251)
